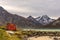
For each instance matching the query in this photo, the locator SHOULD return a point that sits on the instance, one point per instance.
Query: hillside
(54, 25)
(44, 20)
(29, 22)
(6, 36)
(6, 17)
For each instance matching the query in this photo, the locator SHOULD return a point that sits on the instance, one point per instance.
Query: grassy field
(22, 34)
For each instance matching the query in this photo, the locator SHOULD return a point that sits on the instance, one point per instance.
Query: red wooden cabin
(11, 26)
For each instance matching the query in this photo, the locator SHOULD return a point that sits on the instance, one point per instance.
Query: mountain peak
(1, 8)
(45, 16)
(29, 16)
(44, 19)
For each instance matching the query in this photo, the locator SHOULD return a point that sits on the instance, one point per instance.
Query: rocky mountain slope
(6, 17)
(29, 22)
(54, 25)
(44, 20)
(34, 20)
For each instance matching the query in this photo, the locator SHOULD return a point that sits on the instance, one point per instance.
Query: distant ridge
(29, 22)
(6, 17)
(44, 20)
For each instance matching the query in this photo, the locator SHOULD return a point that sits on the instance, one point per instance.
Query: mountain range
(54, 25)
(29, 22)
(44, 20)
(6, 17)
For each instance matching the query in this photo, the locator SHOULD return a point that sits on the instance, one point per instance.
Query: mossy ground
(5, 36)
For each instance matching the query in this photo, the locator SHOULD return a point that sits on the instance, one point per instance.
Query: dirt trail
(43, 38)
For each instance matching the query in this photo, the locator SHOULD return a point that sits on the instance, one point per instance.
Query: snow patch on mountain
(44, 20)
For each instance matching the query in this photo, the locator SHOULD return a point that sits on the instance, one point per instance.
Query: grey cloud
(36, 7)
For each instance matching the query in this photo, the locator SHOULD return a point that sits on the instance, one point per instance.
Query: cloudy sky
(32, 7)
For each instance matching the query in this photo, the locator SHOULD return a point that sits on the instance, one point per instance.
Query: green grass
(6, 36)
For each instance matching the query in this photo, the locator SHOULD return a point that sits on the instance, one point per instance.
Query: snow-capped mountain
(33, 20)
(20, 21)
(54, 25)
(30, 22)
(56, 22)
(44, 20)
(38, 18)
